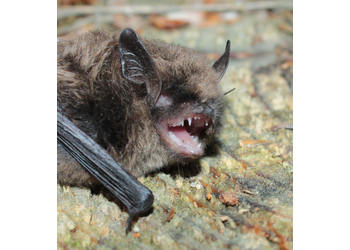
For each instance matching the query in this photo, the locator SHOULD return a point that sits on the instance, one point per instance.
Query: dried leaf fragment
(210, 19)
(161, 22)
(208, 186)
(136, 235)
(229, 199)
(282, 240)
(215, 172)
(175, 191)
(251, 143)
(194, 202)
(287, 64)
(209, 196)
(171, 214)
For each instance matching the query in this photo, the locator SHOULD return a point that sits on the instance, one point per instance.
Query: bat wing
(95, 159)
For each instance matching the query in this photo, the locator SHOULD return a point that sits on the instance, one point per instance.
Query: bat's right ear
(221, 64)
(137, 64)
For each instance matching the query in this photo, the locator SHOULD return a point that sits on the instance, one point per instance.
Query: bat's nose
(208, 111)
(205, 110)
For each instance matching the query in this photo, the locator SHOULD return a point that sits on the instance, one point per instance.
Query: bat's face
(182, 92)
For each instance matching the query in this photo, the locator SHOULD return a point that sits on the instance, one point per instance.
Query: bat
(128, 106)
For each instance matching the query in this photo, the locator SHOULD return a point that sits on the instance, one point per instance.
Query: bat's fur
(93, 93)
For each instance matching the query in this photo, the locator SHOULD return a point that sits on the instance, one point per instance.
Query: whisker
(229, 91)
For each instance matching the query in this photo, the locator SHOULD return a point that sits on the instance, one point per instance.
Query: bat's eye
(164, 100)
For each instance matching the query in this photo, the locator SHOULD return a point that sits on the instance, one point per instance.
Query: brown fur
(94, 94)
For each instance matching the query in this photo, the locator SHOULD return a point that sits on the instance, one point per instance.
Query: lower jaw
(190, 155)
(185, 153)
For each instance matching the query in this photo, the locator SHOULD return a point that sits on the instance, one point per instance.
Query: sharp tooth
(199, 145)
(189, 121)
(206, 123)
(182, 123)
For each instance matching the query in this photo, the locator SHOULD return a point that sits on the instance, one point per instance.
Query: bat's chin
(183, 134)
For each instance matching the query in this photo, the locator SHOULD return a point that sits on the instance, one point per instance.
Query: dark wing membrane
(136, 197)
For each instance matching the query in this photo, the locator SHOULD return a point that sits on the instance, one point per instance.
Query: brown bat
(126, 107)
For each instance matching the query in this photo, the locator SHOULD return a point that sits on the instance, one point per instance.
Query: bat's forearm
(136, 197)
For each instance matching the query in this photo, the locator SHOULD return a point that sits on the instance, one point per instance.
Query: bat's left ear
(137, 64)
(221, 64)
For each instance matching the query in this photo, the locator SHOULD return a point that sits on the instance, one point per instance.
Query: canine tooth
(182, 123)
(189, 121)
(206, 123)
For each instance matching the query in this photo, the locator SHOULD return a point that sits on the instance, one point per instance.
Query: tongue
(183, 135)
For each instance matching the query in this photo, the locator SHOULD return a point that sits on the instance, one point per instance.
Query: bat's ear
(221, 64)
(137, 64)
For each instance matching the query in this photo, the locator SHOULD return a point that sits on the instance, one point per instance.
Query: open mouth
(182, 134)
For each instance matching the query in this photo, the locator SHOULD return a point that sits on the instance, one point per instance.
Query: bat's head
(181, 90)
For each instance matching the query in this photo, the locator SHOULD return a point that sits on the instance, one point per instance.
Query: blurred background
(258, 30)
(242, 197)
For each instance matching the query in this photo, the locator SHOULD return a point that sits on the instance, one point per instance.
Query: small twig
(63, 12)
(248, 192)
(281, 126)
